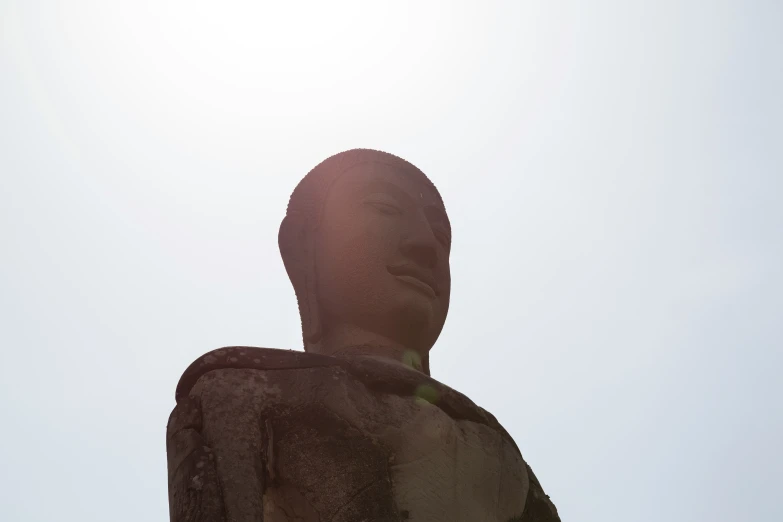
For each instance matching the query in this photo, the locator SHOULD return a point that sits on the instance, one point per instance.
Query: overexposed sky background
(613, 172)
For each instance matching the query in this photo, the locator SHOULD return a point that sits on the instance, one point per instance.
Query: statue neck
(349, 341)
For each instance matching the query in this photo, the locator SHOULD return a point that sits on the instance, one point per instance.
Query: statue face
(382, 255)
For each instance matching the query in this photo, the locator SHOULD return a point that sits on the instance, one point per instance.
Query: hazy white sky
(613, 171)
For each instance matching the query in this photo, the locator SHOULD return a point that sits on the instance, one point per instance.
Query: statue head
(366, 243)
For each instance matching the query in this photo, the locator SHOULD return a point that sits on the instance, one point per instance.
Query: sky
(612, 170)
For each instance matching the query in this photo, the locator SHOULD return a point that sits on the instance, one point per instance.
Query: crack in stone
(353, 497)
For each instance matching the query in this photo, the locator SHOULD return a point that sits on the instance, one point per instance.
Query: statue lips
(416, 277)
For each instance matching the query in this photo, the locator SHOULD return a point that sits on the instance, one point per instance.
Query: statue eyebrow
(395, 191)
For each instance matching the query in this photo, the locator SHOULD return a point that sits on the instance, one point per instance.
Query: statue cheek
(376, 245)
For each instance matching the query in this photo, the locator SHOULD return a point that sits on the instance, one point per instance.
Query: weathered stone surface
(341, 440)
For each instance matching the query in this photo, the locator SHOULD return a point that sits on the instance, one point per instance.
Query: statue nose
(420, 248)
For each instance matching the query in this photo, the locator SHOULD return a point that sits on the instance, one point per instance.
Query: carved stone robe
(276, 436)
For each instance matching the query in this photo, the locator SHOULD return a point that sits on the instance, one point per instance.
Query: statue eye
(384, 207)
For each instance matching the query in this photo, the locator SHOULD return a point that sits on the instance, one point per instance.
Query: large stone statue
(353, 428)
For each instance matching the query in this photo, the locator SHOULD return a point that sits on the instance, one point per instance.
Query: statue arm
(194, 487)
(216, 451)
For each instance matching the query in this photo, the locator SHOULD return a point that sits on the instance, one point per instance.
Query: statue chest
(316, 444)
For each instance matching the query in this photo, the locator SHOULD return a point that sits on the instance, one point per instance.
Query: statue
(353, 428)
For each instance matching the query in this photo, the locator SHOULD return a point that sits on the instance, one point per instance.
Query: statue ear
(297, 247)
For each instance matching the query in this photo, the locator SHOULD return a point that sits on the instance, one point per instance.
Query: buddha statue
(353, 428)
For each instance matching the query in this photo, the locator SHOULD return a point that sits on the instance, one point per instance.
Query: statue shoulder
(538, 506)
(248, 357)
(376, 375)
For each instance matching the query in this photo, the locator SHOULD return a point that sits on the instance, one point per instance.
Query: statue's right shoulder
(248, 357)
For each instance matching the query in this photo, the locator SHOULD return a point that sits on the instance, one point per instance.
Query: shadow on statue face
(382, 255)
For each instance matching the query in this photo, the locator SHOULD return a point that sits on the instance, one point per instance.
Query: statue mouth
(415, 277)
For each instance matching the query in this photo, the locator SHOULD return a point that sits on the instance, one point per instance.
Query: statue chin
(416, 310)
